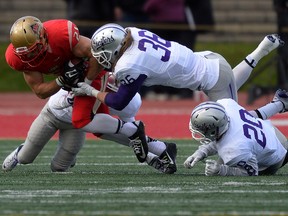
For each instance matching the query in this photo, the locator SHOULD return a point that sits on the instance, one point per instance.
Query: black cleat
(166, 162)
(138, 142)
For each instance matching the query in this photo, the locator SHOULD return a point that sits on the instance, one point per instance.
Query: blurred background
(232, 28)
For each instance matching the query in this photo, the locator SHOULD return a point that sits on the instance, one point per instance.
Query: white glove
(212, 168)
(194, 158)
(85, 89)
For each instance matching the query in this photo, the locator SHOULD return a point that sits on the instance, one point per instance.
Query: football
(74, 62)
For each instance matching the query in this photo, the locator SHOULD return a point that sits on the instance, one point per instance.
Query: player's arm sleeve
(120, 99)
(209, 149)
(242, 168)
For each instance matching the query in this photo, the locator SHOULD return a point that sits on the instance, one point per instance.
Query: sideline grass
(108, 180)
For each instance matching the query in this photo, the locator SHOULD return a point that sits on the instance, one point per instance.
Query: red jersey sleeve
(12, 60)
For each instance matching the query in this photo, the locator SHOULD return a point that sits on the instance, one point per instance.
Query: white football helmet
(208, 122)
(106, 43)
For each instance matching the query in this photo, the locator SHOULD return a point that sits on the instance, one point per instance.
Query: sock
(128, 129)
(155, 146)
(250, 60)
(241, 73)
(118, 138)
(268, 110)
(150, 157)
(263, 49)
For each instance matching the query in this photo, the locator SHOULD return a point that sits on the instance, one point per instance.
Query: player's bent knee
(56, 167)
(79, 122)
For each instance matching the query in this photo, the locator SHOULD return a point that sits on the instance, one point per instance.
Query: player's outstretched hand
(194, 158)
(83, 89)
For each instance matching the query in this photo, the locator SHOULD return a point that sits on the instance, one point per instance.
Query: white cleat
(282, 96)
(11, 160)
(269, 43)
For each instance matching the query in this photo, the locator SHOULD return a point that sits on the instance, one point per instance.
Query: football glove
(202, 152)
(194, 158)
(85, 89)
(212, 168)
(72, 75)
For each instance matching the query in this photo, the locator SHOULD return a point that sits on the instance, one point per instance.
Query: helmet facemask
(208, 122)
(103, 58)
(106, 44)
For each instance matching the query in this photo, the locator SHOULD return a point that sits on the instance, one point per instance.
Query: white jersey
(248, 139)
(165, 63)
(60, 106)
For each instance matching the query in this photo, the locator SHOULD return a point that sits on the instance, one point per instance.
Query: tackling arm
(116, 100)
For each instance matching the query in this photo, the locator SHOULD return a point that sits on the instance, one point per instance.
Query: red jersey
(62, 36)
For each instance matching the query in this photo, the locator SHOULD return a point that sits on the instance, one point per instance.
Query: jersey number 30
(156, 42)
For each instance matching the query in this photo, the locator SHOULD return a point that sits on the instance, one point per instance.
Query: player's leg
(161, 155)
(85, 107)
(226, 85)
(129, 112)
(135, 131)
(279, 104)
(243, 70)
(40, 132)
(69, 145)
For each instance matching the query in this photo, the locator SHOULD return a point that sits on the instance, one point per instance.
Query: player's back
(163, 62)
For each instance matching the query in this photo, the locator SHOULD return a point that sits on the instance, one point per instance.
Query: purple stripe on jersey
(120, 99)
(231, 92)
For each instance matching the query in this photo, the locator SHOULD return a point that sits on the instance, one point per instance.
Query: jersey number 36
(156, 42)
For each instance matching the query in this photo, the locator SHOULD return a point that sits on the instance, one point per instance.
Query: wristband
(86, 80)
(59, 83)
(95, 92)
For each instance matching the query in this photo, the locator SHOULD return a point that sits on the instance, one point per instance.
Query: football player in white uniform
(140, 57)
(56, 116)
(246, 145)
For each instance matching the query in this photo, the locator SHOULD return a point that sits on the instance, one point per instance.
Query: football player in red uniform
(40, 48)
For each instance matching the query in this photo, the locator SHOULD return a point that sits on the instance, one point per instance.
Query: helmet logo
(35, 28)
(104, 41)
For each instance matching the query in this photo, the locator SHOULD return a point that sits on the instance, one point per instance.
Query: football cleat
(282, 96)
(138, 142)
(11, 160)
(269, 43)
(168, 157)
(166, 162)
(157, 164)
